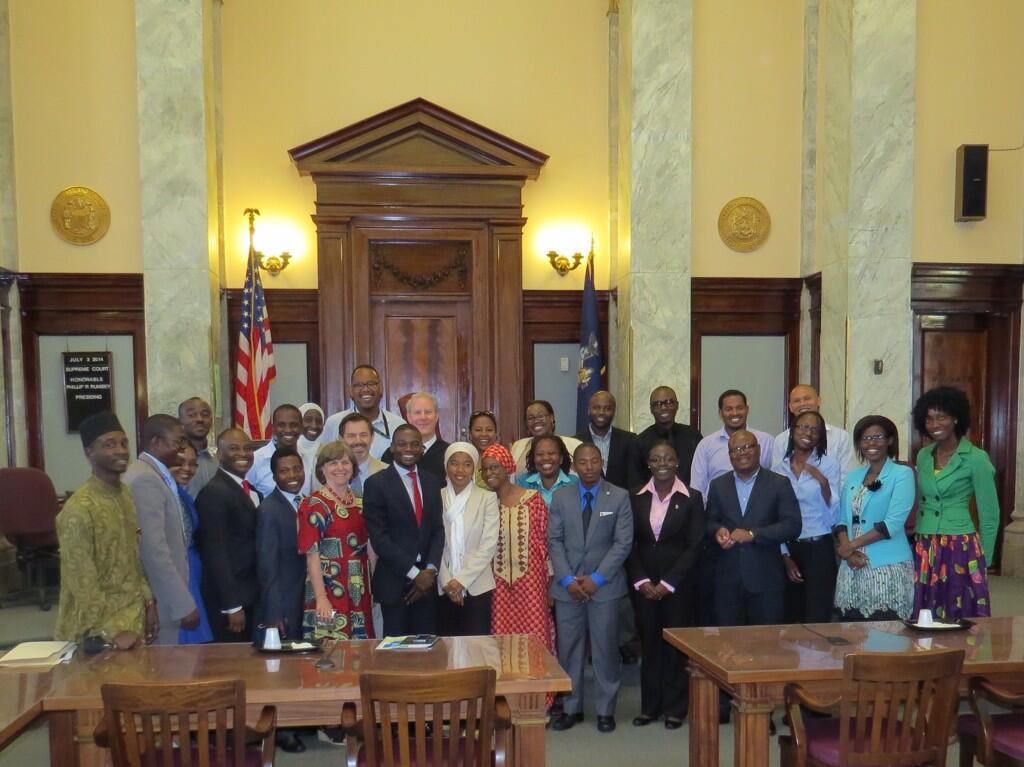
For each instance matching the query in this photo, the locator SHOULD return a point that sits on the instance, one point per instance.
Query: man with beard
(196, 417)
(683, 437)
(103, 589)
(227, 540)
(366, 391)
(357, 433)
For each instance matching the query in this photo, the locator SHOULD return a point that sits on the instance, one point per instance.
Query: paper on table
(36, 653)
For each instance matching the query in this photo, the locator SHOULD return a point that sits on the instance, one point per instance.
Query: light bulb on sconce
(273, 264)
(562, 264)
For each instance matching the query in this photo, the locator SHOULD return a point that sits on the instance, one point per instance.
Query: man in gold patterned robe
(104, 591)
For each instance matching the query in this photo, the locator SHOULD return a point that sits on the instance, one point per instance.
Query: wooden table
(754, 664)
(303, 694)
(21, 698)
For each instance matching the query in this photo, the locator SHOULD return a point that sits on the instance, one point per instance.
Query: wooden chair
(479, 733)
(894, 709)
(145, 725)
(995, 741)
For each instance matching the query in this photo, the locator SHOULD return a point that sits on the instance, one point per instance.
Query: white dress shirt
(383, 429)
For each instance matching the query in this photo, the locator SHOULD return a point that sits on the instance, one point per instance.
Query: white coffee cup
(272, 639)
(273, 665)
(924, 618)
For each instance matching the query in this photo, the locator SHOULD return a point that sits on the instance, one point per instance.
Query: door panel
(954, 352)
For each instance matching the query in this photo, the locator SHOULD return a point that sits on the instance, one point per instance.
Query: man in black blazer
(227, 541)
(751, 511)
(421, 410)
(618, 447)
(282, 569)
(684, 438)
(402, 509)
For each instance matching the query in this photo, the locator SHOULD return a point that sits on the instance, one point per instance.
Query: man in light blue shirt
(287, 424)
(711, 459)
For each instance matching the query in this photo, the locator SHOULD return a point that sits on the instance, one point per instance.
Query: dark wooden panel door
(425, 346)
(954, 352)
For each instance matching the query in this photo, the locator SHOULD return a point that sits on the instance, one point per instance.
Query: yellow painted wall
(73, 98)
(970, 90)
(747, 106)
(534, 70)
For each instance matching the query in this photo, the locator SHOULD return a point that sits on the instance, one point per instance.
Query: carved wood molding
(459, 266)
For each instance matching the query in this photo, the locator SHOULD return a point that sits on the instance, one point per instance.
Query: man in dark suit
(751, 511)
(590, 534)
(282, 569)
(227, 540)
(684, 438)
(618, 447)
(422, 411)
(402, 509)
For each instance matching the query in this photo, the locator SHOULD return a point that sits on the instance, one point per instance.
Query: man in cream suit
(590, 534)
(166, 526)
(356, 431)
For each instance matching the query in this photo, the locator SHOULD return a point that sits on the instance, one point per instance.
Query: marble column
(1012, 556)
(867, 153)
(612, 354)
(808, 179)
(655, 211)
(178, 179)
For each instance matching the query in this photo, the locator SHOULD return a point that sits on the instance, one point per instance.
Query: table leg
(529, 715)
(752, 742)
(703, 715)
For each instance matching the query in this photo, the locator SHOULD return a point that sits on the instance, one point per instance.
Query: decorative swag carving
(459, 266)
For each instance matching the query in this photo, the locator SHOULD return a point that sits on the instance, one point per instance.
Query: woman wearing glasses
(876, 575)
(810, 561)
(540, 421)
(951, 557)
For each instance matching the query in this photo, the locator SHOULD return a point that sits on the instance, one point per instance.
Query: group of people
(367, 523)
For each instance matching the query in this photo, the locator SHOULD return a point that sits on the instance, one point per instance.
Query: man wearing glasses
(711, 459)
(664, 406)
(365, 390)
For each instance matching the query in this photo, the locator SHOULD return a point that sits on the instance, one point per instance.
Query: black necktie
(588, 511)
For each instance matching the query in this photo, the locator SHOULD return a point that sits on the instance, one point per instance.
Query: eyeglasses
(740, 449)
(874, 439)
(656, 403)
(537, 418)
(365, 385)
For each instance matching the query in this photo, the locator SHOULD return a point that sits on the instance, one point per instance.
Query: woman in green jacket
(950, 578)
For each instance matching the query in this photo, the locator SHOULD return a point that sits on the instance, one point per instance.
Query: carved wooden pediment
(418, 137)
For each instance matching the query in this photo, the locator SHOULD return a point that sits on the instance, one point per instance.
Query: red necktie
(246, 486)
(417, 499)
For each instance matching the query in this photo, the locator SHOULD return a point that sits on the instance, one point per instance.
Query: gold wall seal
(80, 216)
(744, 224)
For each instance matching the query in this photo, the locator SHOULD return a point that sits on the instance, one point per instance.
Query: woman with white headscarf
(466, 581)
(312, 429)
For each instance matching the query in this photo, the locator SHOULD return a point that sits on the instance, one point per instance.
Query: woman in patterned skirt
(951, 578)
(333, 537)
(521, 570)
(876, 576)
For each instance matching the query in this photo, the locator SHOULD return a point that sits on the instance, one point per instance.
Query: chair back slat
(464, 697)
(898, 708)
(151, 725)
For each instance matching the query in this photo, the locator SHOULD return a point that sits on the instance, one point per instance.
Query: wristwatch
(751, 533)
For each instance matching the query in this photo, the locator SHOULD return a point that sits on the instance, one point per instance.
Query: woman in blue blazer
(876, 575)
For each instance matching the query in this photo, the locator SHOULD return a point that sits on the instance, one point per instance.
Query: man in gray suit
(590, 534)
(166, 526)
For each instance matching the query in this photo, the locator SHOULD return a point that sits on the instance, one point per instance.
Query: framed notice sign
(88, 385)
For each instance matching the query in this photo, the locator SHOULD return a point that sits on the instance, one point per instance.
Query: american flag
(255, 370)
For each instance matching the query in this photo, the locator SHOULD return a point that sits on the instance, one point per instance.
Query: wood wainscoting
(744, 306)
(967, 334)
(78, 304)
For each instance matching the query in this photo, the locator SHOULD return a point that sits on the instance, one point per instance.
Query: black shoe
(643, 720)
(605, 723)
(290, 742)
(673, 723)
(627, 655)
(566, 721)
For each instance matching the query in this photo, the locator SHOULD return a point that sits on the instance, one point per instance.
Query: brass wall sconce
(272, 264)
(562, 264)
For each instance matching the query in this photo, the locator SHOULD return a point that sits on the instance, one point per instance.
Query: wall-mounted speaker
(971, 182)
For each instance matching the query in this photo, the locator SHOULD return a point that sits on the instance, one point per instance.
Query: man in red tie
(227, 541)
(402, 509)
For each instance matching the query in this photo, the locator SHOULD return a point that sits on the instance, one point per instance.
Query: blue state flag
(591, 361)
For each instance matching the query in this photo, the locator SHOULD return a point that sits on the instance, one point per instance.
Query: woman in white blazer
(466, 582)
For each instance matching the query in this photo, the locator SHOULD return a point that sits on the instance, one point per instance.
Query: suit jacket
(373, 465)
(432, 461)
(162, 547)
(480, 523)
(227, 546)
(623, 467)
(603, 550)
(672, 556)
(773, 515)
(887, 507)
(281, 568)
(394, 535)
(684, 437)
